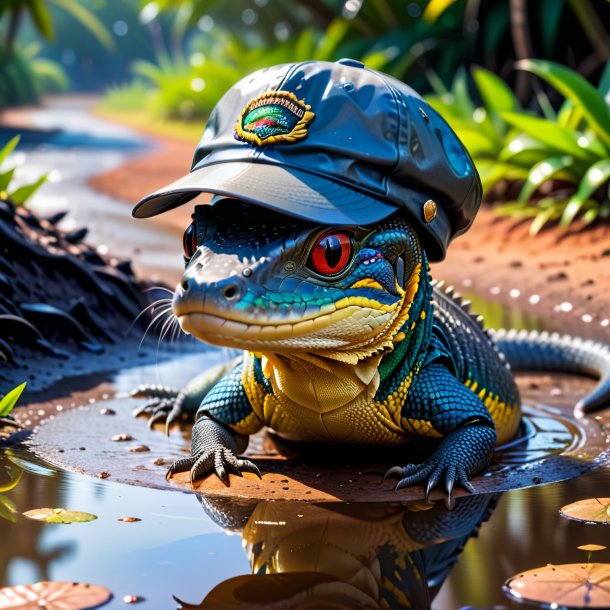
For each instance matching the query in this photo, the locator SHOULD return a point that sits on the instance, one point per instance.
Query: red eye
(189, 241)
(331, 253)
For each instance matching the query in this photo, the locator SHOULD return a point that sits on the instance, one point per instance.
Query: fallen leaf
(575, 585)
(129, 519)
(591, 547)
(59, 515)
(591, 510)
(53, 596)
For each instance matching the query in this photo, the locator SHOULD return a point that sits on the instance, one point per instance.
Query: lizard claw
(395, 471)
(219, 460)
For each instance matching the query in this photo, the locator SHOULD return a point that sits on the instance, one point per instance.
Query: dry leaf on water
(575, 585)
(59, 515)
(591, 510)
(53, 596)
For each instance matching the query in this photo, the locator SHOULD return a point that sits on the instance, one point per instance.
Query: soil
(560, 278)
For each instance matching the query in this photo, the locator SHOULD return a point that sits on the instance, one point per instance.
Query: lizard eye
(331, 253)
(189, 241)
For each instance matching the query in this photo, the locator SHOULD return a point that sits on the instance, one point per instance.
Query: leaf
(23, 193)
(579, 585)
(575, 88)
(13, 481)
(595, 177)
(58, 515)
(10, 399)
(541, 219)
(54, 596)
(41, 17)
(8, 148)
(591, 510)
(435, 9)
(8, 510)
(89, 21)
(5, 179)
(496, 95)
(556, 137)
(542, 172)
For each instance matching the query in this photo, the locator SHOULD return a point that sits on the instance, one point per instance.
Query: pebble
(107, 411)
(122, 437)
(138, 449)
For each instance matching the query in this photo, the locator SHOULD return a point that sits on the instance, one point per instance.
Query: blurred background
(509, 75)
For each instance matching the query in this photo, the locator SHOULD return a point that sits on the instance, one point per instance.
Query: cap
(334, 143)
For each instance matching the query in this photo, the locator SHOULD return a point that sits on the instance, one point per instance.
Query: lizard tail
(533, 351)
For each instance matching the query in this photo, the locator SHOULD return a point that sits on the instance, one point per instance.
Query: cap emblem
(273, 117)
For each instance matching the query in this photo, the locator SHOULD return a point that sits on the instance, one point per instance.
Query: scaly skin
(372, 354)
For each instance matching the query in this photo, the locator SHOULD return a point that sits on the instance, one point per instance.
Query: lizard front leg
(223, 422)
(171, 405)
(442, 406)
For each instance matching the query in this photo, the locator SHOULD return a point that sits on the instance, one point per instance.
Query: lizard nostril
(230, 292)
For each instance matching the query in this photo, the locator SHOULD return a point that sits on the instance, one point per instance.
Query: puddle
(357, 553)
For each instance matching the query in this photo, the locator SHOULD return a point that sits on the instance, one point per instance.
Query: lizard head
(269, 283)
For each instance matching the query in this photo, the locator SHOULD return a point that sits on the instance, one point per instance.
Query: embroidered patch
(275, 116)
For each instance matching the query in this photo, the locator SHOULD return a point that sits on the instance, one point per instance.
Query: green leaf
(41, 18)
(590, 215)
(541, 219)
(435, 9)
(461, 98)
(59, 515)
(89, 21)
(8, 148)
(492, 172)
(334, 35)
(556, 137)
(8, 510)
(5, 179)
(10, 399)
(595, 177)
(575, 88)
(542, 172)
(23, 193)
(13, 480)
(496, 95)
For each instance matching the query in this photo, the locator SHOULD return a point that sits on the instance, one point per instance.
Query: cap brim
(284, 189)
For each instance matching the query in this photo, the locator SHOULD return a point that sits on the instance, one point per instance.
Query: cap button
(354, 63)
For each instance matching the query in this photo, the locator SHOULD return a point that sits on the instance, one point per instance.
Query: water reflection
(362, 555)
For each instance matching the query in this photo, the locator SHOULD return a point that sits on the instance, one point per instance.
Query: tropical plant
(561, 160)
(20, 195)
(409, 37)
(23, 75)
(181, 88)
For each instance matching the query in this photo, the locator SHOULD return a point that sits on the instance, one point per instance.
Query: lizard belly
(359, 422)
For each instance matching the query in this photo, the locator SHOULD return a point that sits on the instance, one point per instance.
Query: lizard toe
(181, 465)
(203, 464)
(417, 476)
